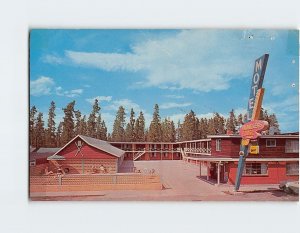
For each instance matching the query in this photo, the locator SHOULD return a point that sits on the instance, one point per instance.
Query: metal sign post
(250, 130)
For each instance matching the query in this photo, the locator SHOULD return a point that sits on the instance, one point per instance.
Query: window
(256, 169)
(218, 145)
(32, 163)
(165, 154)
(292, 168)
(271, 143)
(292, 146)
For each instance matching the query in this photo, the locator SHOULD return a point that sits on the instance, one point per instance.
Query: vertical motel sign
(250, 130)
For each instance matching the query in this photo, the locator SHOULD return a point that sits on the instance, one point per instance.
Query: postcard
(163, 115)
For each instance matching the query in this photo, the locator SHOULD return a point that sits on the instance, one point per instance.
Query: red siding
(230, 147)
(88, 152)
(278, 151)
(276, 174)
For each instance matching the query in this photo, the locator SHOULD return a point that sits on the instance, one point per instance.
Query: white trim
(218, 144)
(270, 139)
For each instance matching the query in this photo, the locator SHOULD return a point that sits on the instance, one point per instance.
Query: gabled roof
(47, 150)
(32, 149)
(98, 144)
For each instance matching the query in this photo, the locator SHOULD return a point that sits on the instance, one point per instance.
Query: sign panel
(251, 129)
(257, 81)
(254, 150)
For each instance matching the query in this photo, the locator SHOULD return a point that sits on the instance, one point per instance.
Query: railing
(197, 150)
(139, 154)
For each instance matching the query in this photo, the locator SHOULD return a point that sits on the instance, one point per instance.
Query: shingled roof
(47, 150)
(99, 144)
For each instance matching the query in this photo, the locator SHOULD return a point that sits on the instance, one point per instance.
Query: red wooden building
(84, 155)
(277, 160)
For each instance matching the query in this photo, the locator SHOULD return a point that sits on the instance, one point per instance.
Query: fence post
(59, 180)
(115, 179)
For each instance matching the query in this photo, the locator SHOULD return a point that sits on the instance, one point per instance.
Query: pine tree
(83, 126)
(139, 128)
(190, 127)
(168, 131)
(78, 122)
(179, 131)
(231, 123)
(130, 130)
(109, 138)
(40, 131)
(219, 123)
(155, 134)
(211, 130)
(68, 123)
(50, 132)
(240, 120)
(101, 129)
(32, 121)
(203, 128)
(92, 121)
(118, 133)
(58, 134)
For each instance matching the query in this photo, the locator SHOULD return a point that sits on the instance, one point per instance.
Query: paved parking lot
(181, 182)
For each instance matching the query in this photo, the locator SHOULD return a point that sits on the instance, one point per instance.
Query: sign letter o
(256, 78)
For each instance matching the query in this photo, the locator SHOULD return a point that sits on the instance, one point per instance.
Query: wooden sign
(252, 129)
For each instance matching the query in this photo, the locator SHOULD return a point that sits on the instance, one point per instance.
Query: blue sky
(203, 70)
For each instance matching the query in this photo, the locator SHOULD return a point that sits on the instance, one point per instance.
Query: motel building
(276, 159)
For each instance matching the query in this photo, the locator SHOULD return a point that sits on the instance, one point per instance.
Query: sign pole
(253, 125)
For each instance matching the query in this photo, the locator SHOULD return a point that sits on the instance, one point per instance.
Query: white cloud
(109, 120)
(126, 103)
(53, 59)
(194, 59)
(72, 93)
(41, 86)
(99, 98)
(175, 96)
(207, 115)
(176, 117)
(289, 104)
(174, 105)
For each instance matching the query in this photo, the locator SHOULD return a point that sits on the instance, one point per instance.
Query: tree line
(160, 130)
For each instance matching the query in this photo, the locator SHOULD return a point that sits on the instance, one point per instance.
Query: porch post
(219, 172)
(200, 168)
(207, 173)
(207, 147)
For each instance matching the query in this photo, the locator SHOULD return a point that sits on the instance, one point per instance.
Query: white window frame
(32, 163)
(269, 140)
(218, 145)
(255, 174)
(295, 170)
(291, 148)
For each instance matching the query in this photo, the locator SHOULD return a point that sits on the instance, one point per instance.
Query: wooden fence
(80, 182)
